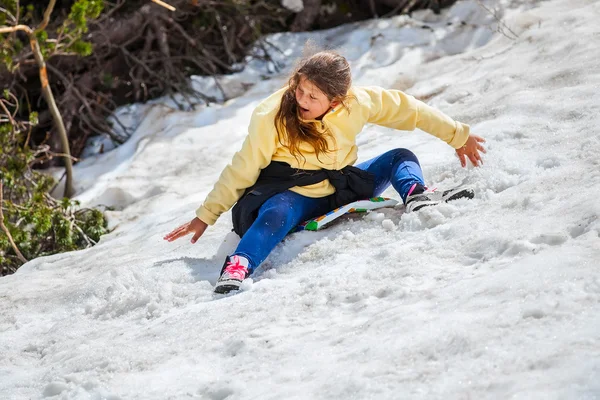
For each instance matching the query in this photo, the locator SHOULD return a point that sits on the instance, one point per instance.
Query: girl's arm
(256, 153)
(396, 109)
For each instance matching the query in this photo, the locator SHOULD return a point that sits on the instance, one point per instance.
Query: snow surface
(493, 298)
(293, 5)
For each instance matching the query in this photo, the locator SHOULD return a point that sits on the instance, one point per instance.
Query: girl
(296, 162)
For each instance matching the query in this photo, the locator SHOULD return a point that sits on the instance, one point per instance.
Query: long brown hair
(328, 71)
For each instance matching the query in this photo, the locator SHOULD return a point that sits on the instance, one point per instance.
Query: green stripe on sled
(360, 206)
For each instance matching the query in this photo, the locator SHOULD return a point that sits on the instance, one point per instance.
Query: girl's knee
(277, 215)
(401, 154)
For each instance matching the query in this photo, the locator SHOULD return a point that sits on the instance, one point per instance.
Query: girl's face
(312, 102)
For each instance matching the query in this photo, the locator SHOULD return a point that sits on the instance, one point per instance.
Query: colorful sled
(355, 207)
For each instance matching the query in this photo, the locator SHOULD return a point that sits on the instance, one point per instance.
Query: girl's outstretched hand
(471, 151)
(195, 226)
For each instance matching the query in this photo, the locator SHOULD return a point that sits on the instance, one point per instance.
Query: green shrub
(38, 223)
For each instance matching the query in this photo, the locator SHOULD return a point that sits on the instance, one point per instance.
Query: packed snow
(493, 298)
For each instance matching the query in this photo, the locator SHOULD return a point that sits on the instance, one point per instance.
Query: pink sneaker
(234, 271)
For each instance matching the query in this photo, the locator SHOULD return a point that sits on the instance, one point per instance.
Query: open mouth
(304, 110)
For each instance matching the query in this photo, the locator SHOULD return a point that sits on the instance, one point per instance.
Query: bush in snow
(34, 223)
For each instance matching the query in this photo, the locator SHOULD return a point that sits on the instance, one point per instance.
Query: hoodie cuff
(206, 216)
(460, 135)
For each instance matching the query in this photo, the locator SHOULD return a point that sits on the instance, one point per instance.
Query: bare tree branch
(49, 97)
(8, 13)
(10, 117)
(10, 29)
(18, 12)
(47, 14)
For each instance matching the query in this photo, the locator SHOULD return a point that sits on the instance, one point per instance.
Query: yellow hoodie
(390, 108)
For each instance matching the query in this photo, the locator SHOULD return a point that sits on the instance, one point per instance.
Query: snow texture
(293, 5)
(493, 298)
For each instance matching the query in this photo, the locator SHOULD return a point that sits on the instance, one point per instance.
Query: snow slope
(494, 298)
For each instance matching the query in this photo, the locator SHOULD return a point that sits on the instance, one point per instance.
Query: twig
(91, 123)
(10, 118)
(160, 33)
(5, 11)
(46, 19)
(489, 56)
(500, 22)
(63, 155)
(172, 86)
(141, 63)
(50, 155)
(5, 229)
(222, 29)
(137, 78)
(88, 239)
(100, 127)
(193, 42)
(56, 184)
(165, 5)
(15, 104)
(30, 125)
(108, 14)
(267, 56)
(10, 29)
(273, 46)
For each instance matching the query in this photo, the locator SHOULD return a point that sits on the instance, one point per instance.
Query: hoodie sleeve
(255, 154)
(395, 109)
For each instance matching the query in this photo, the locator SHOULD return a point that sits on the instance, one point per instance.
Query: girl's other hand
(471, 151)
(195, 226)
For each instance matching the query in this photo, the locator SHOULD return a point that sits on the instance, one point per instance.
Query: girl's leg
(276, 217)
(398, 167)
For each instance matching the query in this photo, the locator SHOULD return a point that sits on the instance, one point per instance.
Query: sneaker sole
(227, 286)
(421, 205)
(465, 193)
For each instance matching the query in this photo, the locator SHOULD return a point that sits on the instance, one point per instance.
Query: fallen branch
(5, 229)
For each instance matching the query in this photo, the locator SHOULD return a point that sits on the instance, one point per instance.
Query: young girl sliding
(297, 160)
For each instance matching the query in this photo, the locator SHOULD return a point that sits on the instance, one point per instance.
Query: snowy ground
(494, 298)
